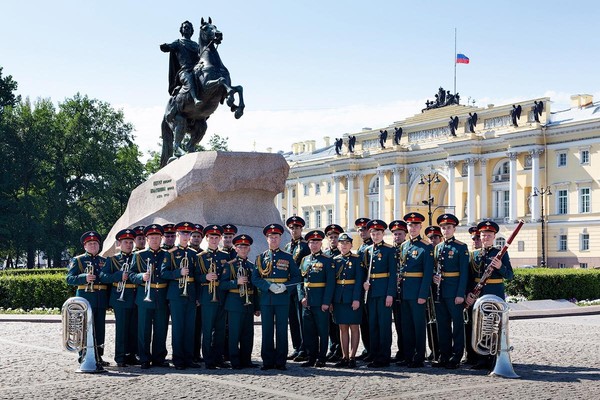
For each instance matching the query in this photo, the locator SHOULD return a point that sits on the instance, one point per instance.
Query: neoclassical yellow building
(507, 169)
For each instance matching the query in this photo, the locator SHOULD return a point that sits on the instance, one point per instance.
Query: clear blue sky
(309, 68)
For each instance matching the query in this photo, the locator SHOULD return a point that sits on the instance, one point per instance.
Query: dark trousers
(99, 328)
(295, 319)
(380, 324)
(183, 319)
(364, 330)
(125, 334)
(213, 333)
(241, 338)
(198, 335)
(432, 331)
(414, 325)
(334, 336)
(316, 331)
(472, 355)
(450, 330)
(152, 334)
(274, 317)
(398, 326)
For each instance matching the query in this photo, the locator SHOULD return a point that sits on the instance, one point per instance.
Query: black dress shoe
(179, 367)
(251, 365)
(452, 365)
(103, 363)
(373, 364)
(281, 367)
(330, 354)
(343, 363)
(368, 359)
(236, 367)
(362, 355)
(300, 358)
(334, 358)
(122, 365)
(439, 364)
(210, 366)
(352, 363)
(309, 363)
(481, 366)
(266, 367)
(415, 365)
(293, 355)
(132, 360)
(319, 364)
(402, 363)
(224, 365)
(145, 365)
(193, 365)
(163, 364)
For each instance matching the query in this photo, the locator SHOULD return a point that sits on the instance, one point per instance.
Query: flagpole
(454, 60)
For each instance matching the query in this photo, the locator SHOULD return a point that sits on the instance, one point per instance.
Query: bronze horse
(214, 87)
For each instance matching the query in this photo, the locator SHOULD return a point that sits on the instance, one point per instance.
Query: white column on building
(279, 203)
(289, 210)
(452, 183)
(397, 172)
(512, 211)
(484, 189)
(336, 199)
(350, 220)
(381, 175)
(471, 217)
(361, 196)
(535, 182)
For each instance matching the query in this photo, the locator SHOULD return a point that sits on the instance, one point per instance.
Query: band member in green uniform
(417, 273)
(475, 237)
(482, 258)
(298, 248)
(471, 355)
(180, 269)
(169, 236)
(275, 272)
(347, 299)
(212, 300)
(241, 303)
(315, 295)
(381, 286)
(151, 300)
(85, 273)
(361, 228)
(115, 274)
(333, 232)
(139, 240)
(434, 234)
(229, 231)
(450, 279)
(399, 231)
(195, 240)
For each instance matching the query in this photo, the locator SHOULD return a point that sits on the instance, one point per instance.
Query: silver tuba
(78, 333)
(490, 333)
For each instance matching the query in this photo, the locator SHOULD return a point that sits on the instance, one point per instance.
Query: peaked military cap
(273, 228)
(184, 227)
(361, 223)
(398, 224)
(154, 229)
(139, 230)
(314, 235)
(168, 228)
(213, 230)
(241, 240)
(490, 226)
(198, 228)
(344, 237)
(473, 232)
(125, 234)
(90, 236)
(433, 231)
(333, 228)
(295, 220)
(376, 224)
(447, 219)
(414, 217)
(230, 228)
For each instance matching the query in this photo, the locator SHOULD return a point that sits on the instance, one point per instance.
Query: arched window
(374, 197)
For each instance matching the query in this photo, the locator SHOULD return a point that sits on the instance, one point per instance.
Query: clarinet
(438, 271)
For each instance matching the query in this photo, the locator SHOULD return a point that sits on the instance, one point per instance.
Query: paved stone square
(557, 358)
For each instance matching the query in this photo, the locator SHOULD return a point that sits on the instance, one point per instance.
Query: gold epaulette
(426, 241)
(203, 252)
(459, 242)
(326, 255)
(224, 252)
(171, 250)
(192, 249)
(337, 257)
(387, 245)
(354, 255)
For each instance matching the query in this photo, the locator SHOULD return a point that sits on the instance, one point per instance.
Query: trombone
(212, 285)
(89, 270)
(183, 281)
(148, 287)
(241, 272)
(122, 283)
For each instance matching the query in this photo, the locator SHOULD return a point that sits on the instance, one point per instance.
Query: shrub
(31, 291)
(549, 283)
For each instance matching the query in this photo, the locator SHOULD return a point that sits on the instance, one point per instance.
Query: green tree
(8, 88)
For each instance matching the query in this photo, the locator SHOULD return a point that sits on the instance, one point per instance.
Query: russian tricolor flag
(462, 59)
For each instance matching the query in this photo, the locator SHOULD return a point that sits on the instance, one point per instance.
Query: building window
(562, 243)
(561, 159)
(501, 203)
(561, 265)
(502, 173)
(283, 217)
(584, 242)
(584, 157)
(328, 187)
(318, 218)
(374, 186)
(283, 194)
(521, 245)
(306, 188)
(584, 200)
(562, 202)
(527, 161)
(317, 189)
(329, 216)
(293, 193)
(583, 265)
(500, 242)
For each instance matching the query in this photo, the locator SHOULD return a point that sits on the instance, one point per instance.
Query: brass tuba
(78, 333)
(490, 333)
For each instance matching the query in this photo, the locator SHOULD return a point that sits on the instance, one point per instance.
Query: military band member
(417, 272)
(212, 300)
(196, 238)
(140, 239)
(241, 303)
(298, 248)
(275, 271)
(169, 236)
(122, 299)
(452, 269)
(381, 286)
(195, 241)
(315, 295)
(85, 273)
(399, 231)
(180, 269)
(229, 231)
(482, 258)
(471, 355)
(347, 299)
(333, 232)
(475, 237)
(434, 234)
(361, 228)
(151, 300)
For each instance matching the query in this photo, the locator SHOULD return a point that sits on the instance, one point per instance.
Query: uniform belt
(276, 280)
(345, 281)
(381, 275)
(450, 274)
(189, 279)
(127, 285)
(238, 290)
(314, 284)
(156, 285)
(412, 275)
(216, 283)
(96, 287)
(492, 281)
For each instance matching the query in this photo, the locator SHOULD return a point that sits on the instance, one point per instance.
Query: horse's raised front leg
(239, 111)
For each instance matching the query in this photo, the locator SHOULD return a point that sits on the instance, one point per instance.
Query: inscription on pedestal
(162, 187)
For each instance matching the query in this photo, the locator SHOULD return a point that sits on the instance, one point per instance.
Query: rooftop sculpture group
(442, 98)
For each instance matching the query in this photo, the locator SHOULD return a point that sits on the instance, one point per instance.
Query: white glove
(274, 287)
(282, 288)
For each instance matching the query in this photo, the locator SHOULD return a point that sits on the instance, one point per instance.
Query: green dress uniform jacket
(495, 284)
(454, 258)
(298, 248)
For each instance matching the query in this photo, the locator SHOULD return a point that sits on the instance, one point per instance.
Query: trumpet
(89, 269)
(212, 285)
(241, 271)
(148, 286)
(121, 284)
(183, 281)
